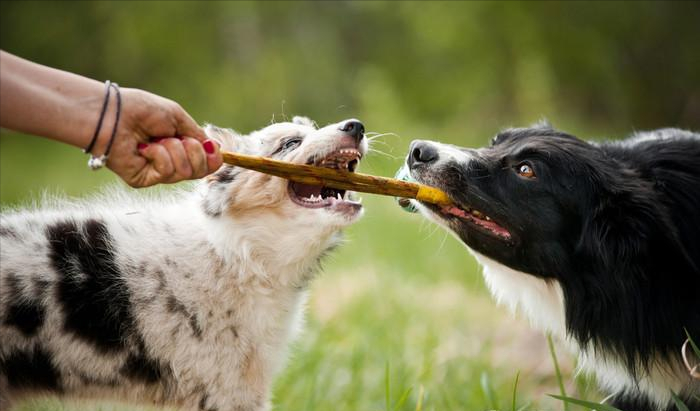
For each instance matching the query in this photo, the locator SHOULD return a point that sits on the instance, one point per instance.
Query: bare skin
(156, 140)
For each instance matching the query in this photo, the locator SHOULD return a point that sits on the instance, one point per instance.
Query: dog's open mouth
(311, 196)
(478, 219)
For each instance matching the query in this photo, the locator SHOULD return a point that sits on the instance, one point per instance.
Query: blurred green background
(402, 293)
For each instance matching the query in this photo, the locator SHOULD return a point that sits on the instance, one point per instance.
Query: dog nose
(354, 128)
(422, 152)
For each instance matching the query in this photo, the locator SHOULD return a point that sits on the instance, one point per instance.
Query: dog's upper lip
(352, 152)
(311, 196)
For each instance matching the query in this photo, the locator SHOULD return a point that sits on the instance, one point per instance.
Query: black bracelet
(102, 117)
(96, 163)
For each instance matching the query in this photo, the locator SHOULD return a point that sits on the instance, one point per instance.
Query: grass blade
(515, 390)
(403, 398)
(560, 380)
(590, 405)
(696, 350)
(524, 407)
(421, 394)
(387, 388)
(678, 402)
(488, 390)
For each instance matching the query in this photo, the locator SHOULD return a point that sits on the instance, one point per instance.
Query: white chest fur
(543, 304)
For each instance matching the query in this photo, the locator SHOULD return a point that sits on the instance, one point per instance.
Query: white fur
(233, 258)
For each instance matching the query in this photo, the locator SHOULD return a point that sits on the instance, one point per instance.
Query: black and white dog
(596, 243)
(187, 300)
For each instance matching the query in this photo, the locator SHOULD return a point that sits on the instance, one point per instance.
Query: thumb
(186, 126)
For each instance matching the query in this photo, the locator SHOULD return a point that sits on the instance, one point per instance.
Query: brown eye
(524, 170)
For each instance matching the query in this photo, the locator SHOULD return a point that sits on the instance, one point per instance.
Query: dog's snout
(354, 128)
(422, 152)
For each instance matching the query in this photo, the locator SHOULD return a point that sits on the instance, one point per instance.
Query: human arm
(65, 107)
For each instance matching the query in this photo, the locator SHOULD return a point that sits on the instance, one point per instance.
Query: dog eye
(291, 144)
(525, 170)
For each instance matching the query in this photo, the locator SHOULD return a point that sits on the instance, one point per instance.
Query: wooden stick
(339, 179)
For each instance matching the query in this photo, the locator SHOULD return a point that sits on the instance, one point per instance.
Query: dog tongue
(304, 190)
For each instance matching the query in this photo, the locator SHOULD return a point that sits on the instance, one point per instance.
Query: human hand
(158, 142)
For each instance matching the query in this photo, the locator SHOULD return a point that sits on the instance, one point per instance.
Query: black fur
(616, 224)
(30, 369)
(627, 403)
(141, 367)
(23, 312)
(176, 306)
(92, 291)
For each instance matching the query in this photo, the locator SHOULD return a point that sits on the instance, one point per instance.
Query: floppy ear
(227, 138)
(627, 226)
(304, 121)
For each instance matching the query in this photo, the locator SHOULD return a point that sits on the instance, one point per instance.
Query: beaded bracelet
(95, 163)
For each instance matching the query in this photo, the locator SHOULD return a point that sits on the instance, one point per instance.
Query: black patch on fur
(630, 403)
(203, 403)
(142, 367)
(225, 175)
(31, 370)
(91, 289)
(176, 306)
(23, 312)
(8, 232)
(210, 210)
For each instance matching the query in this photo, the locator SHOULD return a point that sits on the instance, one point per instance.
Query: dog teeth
(477, 214)
(339, 196)
(488, 218)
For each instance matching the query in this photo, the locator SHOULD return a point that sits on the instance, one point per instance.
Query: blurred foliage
(450, 71)
(453, 71)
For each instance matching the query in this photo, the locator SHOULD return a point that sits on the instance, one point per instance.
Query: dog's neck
(270, 247)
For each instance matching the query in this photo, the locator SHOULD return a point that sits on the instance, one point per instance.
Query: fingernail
(141, 146)
(209, 147)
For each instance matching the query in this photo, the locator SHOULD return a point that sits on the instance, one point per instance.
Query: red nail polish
(209, 147)
(141, 146)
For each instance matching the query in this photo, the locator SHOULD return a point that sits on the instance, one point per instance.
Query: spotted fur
(186, 299)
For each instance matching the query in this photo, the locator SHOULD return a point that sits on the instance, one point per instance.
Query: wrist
(105, 127)
(88, 109)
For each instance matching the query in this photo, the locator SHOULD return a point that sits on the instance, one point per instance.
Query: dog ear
(617, 232)
(227, 138)
(304, 121)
